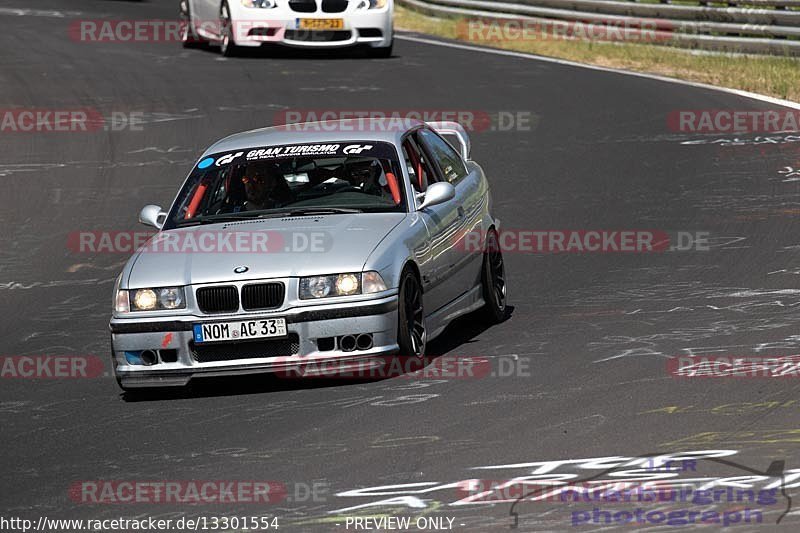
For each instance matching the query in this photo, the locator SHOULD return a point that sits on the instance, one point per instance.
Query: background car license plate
(320, 24)
(241, 330)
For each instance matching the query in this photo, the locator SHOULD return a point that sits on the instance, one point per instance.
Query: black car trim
(303, 316)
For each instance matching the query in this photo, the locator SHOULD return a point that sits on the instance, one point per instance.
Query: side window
(419, 169)
(446, 157)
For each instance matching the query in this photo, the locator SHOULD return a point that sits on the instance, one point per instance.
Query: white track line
(523, 55)
(25, 12)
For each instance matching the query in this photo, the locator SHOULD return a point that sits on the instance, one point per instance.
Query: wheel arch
(412, 265)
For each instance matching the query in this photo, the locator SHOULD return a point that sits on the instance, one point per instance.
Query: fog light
(134, 358)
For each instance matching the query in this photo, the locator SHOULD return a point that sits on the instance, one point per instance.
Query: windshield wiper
(246, 215)
(215, 219)
(323, 211)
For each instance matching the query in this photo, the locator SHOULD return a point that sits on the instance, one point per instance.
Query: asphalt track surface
(594, 330)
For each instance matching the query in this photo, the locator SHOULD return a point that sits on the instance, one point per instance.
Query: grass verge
(769, 75)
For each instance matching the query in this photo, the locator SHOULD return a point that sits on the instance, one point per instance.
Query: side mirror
(438, 193)
(152, 215)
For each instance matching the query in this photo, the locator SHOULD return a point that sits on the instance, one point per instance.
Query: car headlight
(265, 4)
(348, 284)
(150, 299)
(377, 4)
(144, 300)
(170, 297)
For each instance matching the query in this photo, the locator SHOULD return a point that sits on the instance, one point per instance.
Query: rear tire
(411, 334)
(493, 280)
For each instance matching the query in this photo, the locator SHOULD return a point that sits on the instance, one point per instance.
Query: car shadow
(461, 332)
(274, 51)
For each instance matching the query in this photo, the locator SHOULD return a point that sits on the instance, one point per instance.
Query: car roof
(357, 129)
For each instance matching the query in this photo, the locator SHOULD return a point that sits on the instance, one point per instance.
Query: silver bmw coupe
(329, 241)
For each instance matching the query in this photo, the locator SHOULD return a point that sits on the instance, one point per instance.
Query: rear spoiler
(453, 129)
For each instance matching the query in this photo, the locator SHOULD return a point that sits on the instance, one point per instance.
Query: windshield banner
(338, 149)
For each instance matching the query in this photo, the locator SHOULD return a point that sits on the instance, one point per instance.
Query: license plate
(239, 331)
(320, 24)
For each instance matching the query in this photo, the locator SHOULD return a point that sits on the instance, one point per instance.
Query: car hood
(294, 246)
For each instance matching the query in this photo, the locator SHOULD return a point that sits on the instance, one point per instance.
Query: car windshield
(344, 177)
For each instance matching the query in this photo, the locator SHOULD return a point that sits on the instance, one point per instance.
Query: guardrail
(704, 26)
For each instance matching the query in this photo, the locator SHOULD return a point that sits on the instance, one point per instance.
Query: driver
(264, 189)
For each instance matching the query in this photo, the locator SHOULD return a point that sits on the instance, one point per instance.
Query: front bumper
(310, 331)
(254, 27)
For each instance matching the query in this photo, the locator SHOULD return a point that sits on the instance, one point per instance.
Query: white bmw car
(234, 24)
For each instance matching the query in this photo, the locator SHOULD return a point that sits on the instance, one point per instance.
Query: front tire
(382, 53)
(493, 280)
(189, 36)
(227, 43)
(411, 334)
